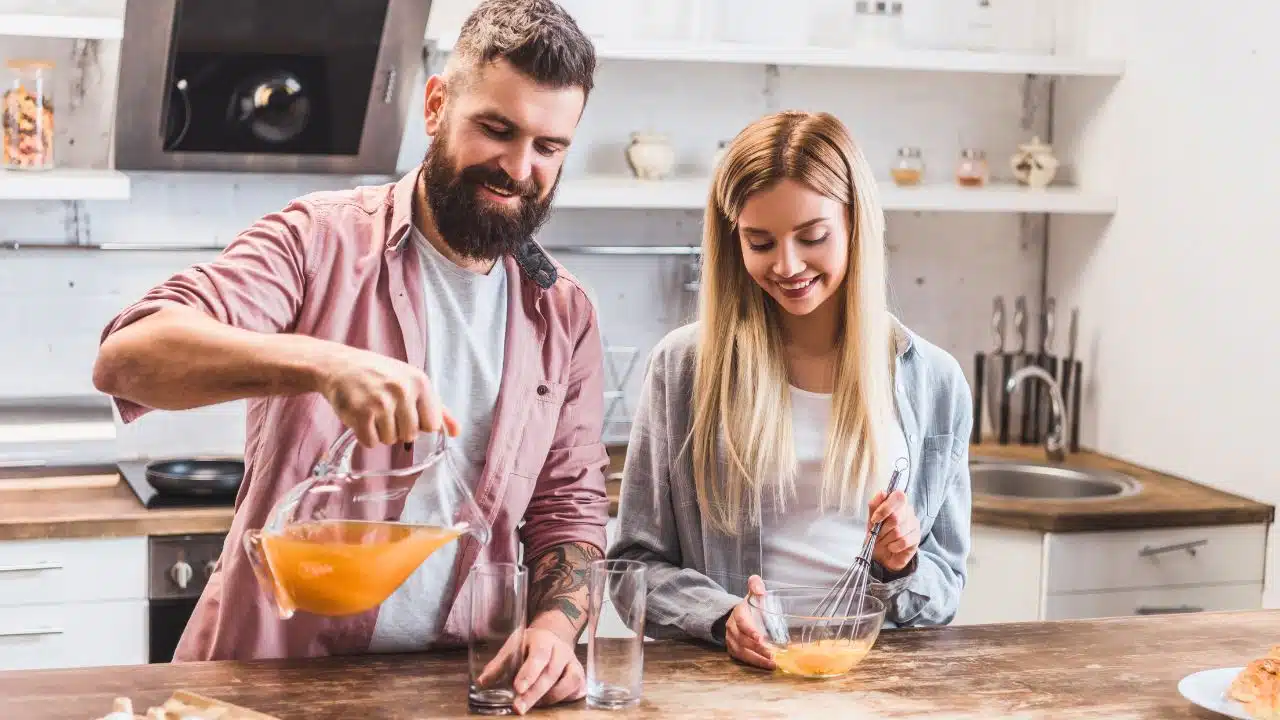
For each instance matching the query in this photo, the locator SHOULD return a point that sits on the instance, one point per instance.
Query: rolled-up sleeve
(257, 283)
(569, 503)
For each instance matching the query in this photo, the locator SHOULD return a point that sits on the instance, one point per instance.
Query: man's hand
(548, 671)
(899, 535)
(384, 400)
(551, 672)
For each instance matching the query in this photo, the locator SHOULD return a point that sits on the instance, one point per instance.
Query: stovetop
(134, 472)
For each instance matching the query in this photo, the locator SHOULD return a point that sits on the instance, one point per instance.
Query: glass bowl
(809, 645)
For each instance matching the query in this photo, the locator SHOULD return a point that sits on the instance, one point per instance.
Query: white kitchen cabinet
(66, 635)
(1005, 572)
(73, 603)
(1027, 575)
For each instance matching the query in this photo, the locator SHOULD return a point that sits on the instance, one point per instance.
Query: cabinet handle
(31, 632)
(31, 567)
(1190, 547)
(389, 92)
(1149, 610)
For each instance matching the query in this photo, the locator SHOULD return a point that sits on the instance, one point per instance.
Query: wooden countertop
(98, 512)
(1165, 500)
(1111, 668)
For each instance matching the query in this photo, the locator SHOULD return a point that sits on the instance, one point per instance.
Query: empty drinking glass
(495, 645)
(615, 633)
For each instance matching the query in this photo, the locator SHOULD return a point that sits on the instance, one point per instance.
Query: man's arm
(222, 331)
(208, 334)
(180, 358)
(558, 588)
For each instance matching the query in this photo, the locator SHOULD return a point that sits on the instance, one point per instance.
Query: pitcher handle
(338, 457)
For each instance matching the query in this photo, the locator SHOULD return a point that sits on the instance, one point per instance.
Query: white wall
(945, 268)
(1178, 294)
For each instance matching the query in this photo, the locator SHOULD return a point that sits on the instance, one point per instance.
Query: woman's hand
(742, 638)
(899, 535)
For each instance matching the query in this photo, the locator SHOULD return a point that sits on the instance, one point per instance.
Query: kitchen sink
(1031, 481)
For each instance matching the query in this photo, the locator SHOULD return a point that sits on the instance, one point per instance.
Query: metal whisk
(852, 585)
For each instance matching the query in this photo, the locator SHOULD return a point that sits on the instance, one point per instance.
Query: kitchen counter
(1111, 668)
(1165, 501)
(97, 512)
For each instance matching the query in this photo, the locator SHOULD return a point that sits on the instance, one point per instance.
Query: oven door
(276, 86)
(166, 619)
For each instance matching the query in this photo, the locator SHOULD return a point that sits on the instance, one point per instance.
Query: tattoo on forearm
(558, 581)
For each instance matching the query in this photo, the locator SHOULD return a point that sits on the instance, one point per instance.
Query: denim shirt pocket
(938, 455)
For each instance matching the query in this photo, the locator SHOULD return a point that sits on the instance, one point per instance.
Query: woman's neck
(810, 343)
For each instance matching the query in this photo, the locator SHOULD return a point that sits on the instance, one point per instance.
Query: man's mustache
(498, 178)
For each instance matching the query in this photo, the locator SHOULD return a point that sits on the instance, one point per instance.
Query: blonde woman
(767, 431)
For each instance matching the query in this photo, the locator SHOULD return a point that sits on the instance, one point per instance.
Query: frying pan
(196, 476)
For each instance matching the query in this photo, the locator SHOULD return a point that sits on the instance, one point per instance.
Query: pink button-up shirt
(341, 266)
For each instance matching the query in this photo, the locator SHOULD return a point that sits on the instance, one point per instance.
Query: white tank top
(802, 546)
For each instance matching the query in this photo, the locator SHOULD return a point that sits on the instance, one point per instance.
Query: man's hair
(537, 37)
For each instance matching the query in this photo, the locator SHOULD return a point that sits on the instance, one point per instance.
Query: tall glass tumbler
(495, 647)
(615, 633)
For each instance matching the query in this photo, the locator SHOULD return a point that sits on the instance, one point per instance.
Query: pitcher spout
(474, 524)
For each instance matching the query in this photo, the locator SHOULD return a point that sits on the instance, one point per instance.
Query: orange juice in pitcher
(337, 545)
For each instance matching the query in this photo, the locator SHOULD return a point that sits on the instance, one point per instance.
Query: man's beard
(473, 228)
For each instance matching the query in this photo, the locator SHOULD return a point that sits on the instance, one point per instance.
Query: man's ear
(435, 98)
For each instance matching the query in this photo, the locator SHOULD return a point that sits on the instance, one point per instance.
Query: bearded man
(416, 307)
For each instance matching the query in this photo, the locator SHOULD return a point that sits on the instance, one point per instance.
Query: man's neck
(425, 222)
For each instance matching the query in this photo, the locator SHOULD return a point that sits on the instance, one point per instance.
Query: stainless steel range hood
(274, 86)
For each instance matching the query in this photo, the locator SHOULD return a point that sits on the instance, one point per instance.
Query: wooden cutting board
(184, 704)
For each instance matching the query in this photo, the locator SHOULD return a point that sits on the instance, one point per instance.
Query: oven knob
(181, 573)
(209, 565)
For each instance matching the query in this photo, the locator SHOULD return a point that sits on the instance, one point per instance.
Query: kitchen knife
(975, 437)
(1024, 358)
(1042, 407)
(1071, 372)
(985, 422)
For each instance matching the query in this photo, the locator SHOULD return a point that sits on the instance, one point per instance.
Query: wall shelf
(75, 20)
(63, 184)
(998, 63)
(620, 192)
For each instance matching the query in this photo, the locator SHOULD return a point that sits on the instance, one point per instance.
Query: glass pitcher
(342, 541)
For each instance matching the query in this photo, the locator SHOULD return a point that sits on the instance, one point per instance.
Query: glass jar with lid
(972, 170)
(28, 115)
(908, 169)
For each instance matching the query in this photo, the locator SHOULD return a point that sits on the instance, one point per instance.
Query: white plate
(1208, 689)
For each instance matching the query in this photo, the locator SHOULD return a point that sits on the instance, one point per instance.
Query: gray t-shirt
(466, 340)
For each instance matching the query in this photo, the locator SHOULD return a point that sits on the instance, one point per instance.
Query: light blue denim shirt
(695, 574)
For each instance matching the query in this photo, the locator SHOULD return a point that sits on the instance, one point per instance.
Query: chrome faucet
(1054, 439)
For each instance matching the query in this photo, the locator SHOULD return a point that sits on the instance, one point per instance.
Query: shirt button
(911, 437)
(543, 389)
(901, 388)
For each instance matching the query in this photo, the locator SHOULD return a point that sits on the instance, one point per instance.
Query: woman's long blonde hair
(741, 435)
